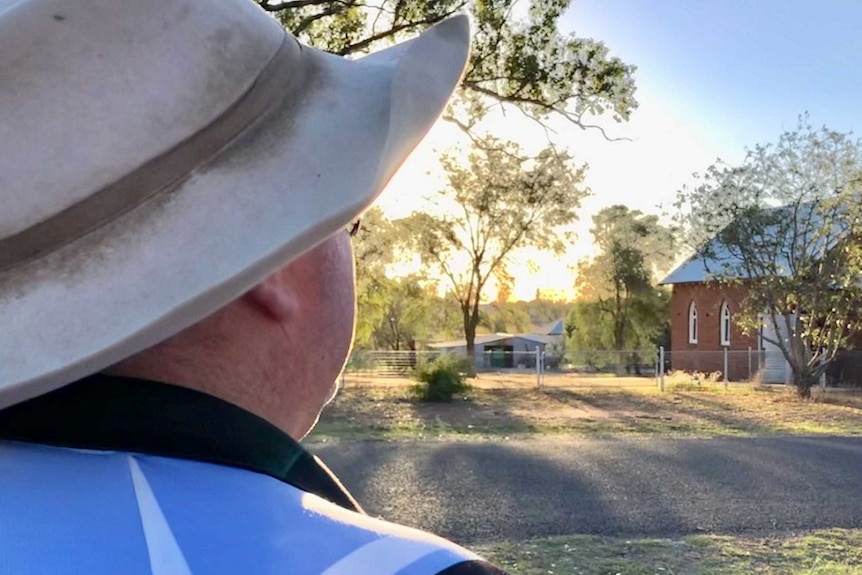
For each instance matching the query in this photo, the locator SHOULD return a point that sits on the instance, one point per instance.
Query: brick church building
(706, 338)
(702, 327)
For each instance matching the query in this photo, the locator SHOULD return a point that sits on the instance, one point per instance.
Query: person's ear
(274, 297)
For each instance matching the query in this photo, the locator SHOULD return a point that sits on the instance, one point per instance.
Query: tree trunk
(619, 343)
(470, 322)
(804, 379)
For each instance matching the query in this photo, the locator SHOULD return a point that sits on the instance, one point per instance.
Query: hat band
(163, 173)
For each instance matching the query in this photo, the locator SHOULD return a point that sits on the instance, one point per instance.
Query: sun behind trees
(394, 313)
(502, 200)
(519, 60)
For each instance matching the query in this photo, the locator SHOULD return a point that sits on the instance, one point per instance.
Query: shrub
(440, 379)
(679, 380)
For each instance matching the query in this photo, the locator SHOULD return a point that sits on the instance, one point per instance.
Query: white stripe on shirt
(166, 557)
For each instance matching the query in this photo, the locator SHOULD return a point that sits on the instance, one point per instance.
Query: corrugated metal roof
(555, 327)
(480, 340)
(692, 270)
(485, 339)
(722, 262)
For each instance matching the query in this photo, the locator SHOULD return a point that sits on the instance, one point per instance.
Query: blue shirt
(124, 477)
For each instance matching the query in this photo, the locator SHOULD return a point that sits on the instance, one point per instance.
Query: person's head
(176, 176)
(277, 350)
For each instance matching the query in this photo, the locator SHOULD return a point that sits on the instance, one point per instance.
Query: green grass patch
(824, 552)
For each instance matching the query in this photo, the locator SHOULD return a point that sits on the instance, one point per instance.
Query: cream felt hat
(158, 158)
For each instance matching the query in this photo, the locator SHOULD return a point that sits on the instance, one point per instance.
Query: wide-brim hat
(160, 158)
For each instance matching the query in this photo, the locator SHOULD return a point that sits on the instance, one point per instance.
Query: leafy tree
(544, 310)
(524, 61)
(406, 311)
(392, 312)
(786, 224)
(504, 201)
(591, 335)
(618, 227)
(502, 317)
(373, 249)
(624, 308)
(585, 329)
(445, 317)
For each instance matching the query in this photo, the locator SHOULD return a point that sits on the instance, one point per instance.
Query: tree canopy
(394, 313)
(520, 60)
(786, 223)
(503, 200)
(620, 307)
(373, 249)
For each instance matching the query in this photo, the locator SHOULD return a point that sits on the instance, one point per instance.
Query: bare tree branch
(396, 29)
(548, 108)
(308, 21)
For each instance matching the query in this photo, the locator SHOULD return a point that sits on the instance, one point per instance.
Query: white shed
(775, 368)
(500, 350)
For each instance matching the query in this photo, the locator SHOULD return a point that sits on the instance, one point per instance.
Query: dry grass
(604, 407)
(824, 552)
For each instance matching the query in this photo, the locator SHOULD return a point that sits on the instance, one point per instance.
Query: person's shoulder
(394, 548)
(476, 567)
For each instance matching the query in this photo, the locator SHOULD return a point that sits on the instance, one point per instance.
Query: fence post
(725, 368)
(749, 364)
(538, 367)
(544, 365)
(661, 367)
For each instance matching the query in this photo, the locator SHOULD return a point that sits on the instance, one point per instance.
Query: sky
(713, 78)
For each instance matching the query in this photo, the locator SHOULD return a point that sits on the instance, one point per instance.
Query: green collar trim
(123, 414)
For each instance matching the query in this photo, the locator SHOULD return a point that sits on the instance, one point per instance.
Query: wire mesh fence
(503, 368)
(509, 368)
(632, 362)
(386, 363)
(761, 366)
(730, 365)
(400, 363)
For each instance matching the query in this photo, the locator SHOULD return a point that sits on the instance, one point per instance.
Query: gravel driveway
(511, 490)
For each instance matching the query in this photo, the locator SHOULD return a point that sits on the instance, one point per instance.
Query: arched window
(692, 322)
(725, 324)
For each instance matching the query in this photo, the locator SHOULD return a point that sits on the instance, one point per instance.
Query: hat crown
(158, 158)
(96, 88)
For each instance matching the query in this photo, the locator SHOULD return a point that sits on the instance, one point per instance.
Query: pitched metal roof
(493, 338)
(722, 261)
(556, 327)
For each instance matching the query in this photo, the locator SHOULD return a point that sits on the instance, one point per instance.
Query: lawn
(824, 552)
(602, 409)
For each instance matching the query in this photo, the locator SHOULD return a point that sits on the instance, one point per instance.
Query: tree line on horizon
(619, 304)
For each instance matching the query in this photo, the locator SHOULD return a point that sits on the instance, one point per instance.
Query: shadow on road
(492, 491)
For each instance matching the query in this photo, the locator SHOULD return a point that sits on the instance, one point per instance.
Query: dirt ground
(382, 408)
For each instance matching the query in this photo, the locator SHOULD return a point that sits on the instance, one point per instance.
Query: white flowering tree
(787, 224)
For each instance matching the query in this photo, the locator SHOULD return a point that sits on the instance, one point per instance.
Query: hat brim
(281, 188)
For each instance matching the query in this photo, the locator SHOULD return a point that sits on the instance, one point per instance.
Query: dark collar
(123, 414)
